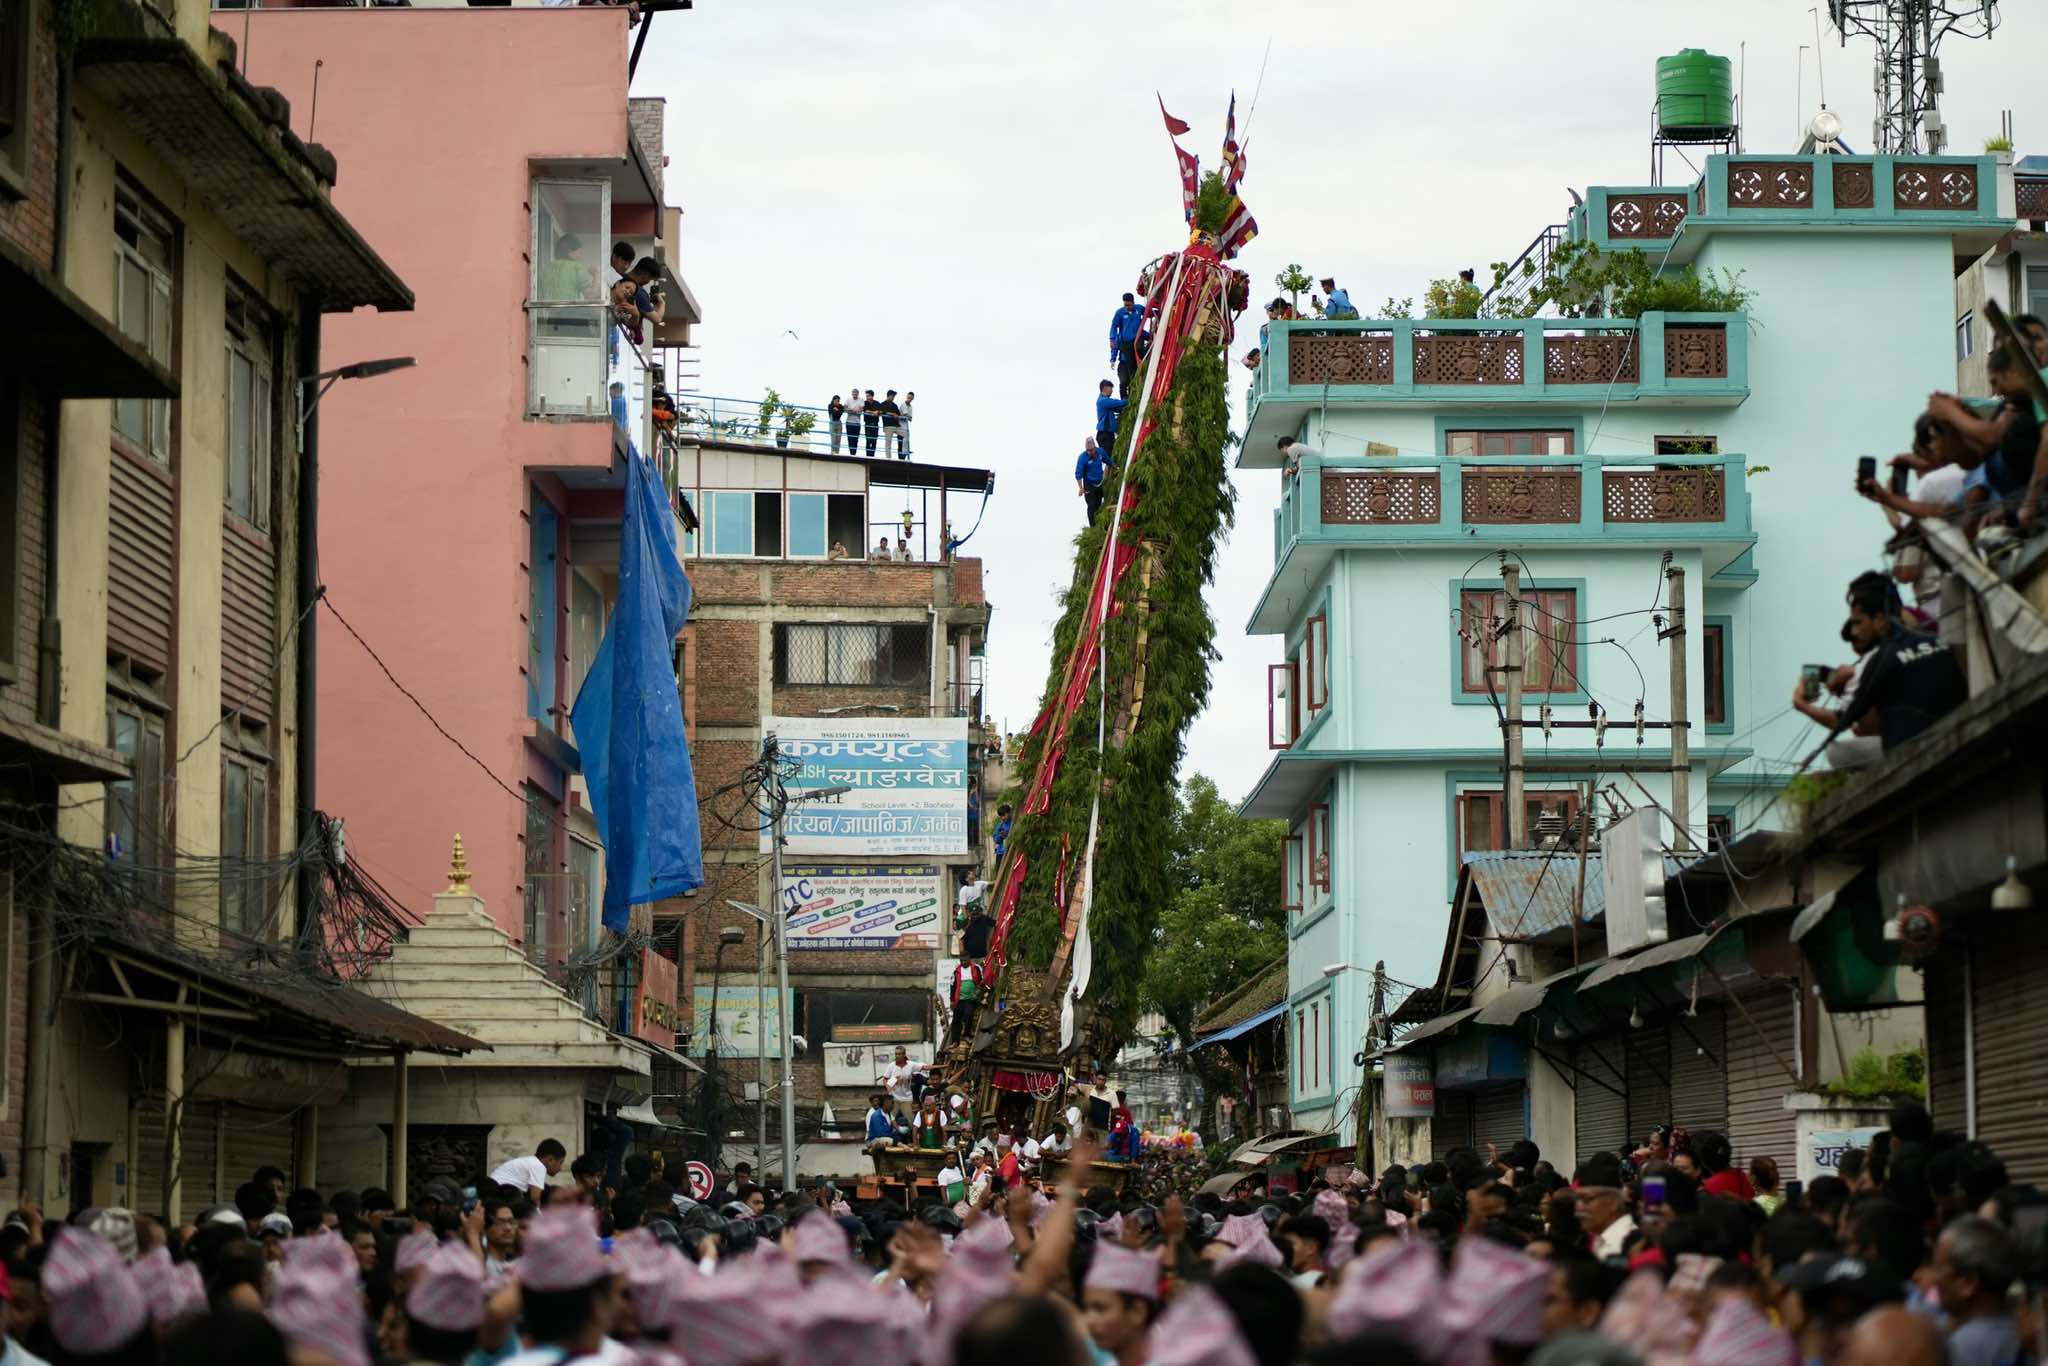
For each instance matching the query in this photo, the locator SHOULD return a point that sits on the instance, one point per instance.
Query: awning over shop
(1243, 1026)
(1841, 933)
(1265, 1150)
(1661, 955)
(1431, 1028)
(1523, 997)
(1247, 1152)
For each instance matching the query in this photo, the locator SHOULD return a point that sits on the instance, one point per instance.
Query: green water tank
(1695, 97)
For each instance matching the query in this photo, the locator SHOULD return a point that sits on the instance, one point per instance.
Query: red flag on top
(1190, 178)
(1174, 127)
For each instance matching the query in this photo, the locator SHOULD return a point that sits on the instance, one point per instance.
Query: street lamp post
(727, 937)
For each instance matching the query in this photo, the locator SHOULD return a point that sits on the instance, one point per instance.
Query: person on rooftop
(892, 426)
(1911, 681)
(871, 420)
(1337, 303)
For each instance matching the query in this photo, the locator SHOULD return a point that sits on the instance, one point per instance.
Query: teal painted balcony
(1504, 364)
(1333, 504)
(1956, 196)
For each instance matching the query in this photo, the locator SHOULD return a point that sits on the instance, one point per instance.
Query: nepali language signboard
(907, 781)
(654, 1000)
(739, 1022)
(863, 905)
(1410, 1087)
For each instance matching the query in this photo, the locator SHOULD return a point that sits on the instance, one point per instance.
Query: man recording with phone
(1909, 681)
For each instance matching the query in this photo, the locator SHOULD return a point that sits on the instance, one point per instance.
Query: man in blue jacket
(1126, 325)
(1091, 467)
(1109, 410)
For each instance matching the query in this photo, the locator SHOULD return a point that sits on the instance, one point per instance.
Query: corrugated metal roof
(1528, 892)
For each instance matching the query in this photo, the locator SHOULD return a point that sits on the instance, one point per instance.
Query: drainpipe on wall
(37, 1047)
(309, 590)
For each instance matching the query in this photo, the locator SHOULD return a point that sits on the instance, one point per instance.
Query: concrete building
(505, 190)
(494, 473)
(177, 932)
(846, 649)
(2014, 271)
(1588, 455)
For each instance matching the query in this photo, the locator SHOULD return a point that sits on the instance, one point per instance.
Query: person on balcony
(892, 426)
(1091, 468)
(1338, 303)
(851, 409)
(1126, 325)
(567, 277)
(871, 420)
(1109, 411)
(648, 300)
(882, 551)
(1294, 452)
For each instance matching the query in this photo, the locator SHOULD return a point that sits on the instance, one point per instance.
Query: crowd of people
(1981, 466)
(884, 423)
(1917, 1251)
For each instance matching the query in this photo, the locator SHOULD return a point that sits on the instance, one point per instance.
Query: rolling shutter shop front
(2010, 1015)
(1599, 1107)
(1649, 1079)
(1947, 998)
(1759, 1125)
(1500, 1116)
(1699, 1083)
(1451, 1127)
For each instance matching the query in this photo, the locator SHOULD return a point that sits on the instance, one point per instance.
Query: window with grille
(145, 299)
(248, 896)
(251, 413)
(1549, 618)
(853, 654)
(1508, 443)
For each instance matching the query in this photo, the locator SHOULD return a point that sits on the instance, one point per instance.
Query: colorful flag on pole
(1190, 179)
(1174, 127)
(1239, 228)
(1229, 121)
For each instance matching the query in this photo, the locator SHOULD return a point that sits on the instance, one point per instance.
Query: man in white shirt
(1602, 1204)
(897, 1075)
(529, 1174)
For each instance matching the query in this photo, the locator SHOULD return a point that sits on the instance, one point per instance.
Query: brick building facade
(931, 617)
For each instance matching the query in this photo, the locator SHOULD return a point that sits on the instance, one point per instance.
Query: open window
(1714, 672)
(1482, 816)
(568, 325)
(1315, 660)
(1283, 710)
(1293, 872)
(1319, 855)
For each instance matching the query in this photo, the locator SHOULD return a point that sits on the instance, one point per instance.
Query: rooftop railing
(790, 427)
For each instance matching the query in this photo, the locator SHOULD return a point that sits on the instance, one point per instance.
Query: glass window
(689, 497)
(569, 330)
(1549, 640)
(1283, 716)
(1319, 852)
(732, 522)
(586, 630)
(250, 418)
(1291, 872)
(143, 304)
(1966, 336)
(1508, 443)
(585, 891)
(2037, 291)
(540, 887)
(846, 525)
(1714, 665)
(135, 806)
(543, 599)
(853, 654)
(807, 526)
(247, 900)
(1315, 654)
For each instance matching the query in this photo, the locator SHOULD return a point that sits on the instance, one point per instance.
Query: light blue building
(1587, 450)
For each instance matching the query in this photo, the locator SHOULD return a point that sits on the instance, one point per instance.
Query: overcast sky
(950, 197)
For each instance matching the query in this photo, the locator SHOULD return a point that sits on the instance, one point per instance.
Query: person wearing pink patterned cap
(1495, 1296)
(173, 1291)
(96, 1309)
(319, 1309)
(820, 1247)
(444, 1308)
(1119, 1300)
(566, 1290)
(1199, 1330)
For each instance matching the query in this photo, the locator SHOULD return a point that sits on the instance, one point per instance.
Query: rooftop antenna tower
(1908, 80)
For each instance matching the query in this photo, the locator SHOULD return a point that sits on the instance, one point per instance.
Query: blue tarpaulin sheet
(629, 716)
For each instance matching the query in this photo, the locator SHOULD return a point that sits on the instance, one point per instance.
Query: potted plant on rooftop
(796, 426)
(771, 404)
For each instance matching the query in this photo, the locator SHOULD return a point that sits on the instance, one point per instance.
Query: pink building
(469, 507)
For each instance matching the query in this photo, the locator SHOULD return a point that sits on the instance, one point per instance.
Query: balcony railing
(1698, 356)
(743, 420)
(1354, 500)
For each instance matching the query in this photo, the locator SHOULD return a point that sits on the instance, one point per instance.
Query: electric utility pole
(1517, 818)
(778, 798)
(1681, 747)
